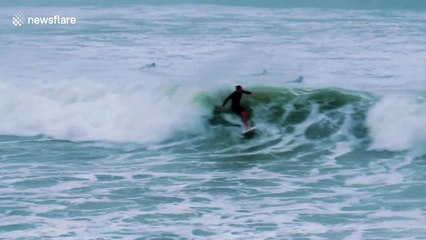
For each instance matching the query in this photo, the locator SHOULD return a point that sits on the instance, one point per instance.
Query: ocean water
(96, 143)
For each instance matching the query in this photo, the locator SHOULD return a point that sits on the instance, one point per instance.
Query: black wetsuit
(236, 98)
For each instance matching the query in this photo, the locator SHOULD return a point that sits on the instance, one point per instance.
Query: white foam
(88, 110)
(398, 123)
(387, 178)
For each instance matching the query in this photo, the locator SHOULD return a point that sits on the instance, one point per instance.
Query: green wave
(312, 113)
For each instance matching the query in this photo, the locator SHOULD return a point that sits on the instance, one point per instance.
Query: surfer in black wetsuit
(236, 107)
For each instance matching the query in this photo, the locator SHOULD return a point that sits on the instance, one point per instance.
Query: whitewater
(109, 128)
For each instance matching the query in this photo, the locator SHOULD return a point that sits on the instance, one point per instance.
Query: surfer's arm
(226, 100)
(248, 92)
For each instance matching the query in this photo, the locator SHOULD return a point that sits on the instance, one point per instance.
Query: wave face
(330, 116)
(84, 111)
(303, 115)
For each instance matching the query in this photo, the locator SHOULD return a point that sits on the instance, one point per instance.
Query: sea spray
(89, 110)
(398, 122)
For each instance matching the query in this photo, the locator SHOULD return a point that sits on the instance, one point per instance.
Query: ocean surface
(97, 142)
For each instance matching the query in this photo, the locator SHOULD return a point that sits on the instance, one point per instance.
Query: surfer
(236, 107)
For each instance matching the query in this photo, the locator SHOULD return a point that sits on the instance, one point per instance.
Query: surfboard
(249, 130)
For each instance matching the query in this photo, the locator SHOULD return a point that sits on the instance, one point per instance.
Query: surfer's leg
(244, 118)
(240, 111)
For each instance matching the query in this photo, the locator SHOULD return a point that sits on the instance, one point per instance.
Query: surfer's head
(239, 88)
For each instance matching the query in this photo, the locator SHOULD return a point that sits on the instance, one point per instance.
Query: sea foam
(398, 123)
(89, 110)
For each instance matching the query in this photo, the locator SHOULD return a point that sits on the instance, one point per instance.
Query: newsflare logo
(19, 20)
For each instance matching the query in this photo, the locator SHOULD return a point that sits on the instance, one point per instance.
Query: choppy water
(96, 144)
